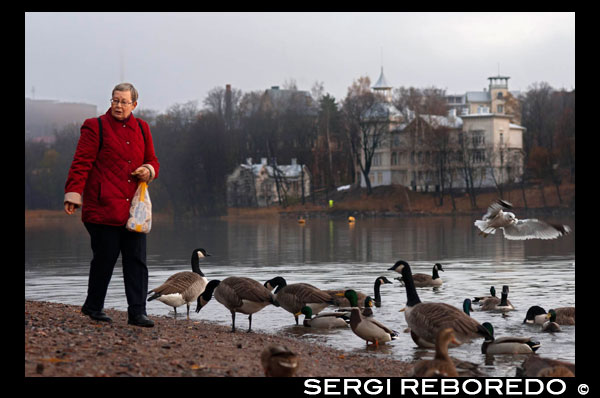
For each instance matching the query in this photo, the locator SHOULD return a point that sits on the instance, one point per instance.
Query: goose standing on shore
(296, 295)
(238, 294)
(425, 280)
(425, 320)
(514, 229)
(183, 287)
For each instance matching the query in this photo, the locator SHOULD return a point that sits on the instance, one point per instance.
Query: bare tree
(367, 125)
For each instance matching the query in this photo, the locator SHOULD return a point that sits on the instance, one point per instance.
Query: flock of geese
(431, 324)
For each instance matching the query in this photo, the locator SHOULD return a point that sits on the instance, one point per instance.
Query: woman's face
(121, 105)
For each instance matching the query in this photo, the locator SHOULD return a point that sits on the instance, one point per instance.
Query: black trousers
(107, 243)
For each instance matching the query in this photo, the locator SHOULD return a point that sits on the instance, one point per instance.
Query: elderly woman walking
(114, 153)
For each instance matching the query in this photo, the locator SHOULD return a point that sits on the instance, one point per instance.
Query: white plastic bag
(140, 213)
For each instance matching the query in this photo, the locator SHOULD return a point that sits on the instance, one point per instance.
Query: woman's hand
(70, 208)
(142, 173)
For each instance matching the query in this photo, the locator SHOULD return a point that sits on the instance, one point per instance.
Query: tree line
(198, 146)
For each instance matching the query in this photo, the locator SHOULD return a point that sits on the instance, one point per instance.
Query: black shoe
(97, 315)
(140, 320)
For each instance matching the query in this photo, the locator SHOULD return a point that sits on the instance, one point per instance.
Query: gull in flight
(497, 216)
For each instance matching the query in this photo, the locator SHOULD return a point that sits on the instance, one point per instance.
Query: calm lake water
(333, 254)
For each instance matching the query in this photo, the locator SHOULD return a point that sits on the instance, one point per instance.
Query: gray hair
(126, 87)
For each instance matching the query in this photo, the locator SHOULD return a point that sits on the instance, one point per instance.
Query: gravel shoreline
(61, 341)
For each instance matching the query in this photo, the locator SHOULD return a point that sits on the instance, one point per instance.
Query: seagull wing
(534, 229)
(495, 208)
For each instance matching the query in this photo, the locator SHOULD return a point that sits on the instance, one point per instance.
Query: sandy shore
(60, 341)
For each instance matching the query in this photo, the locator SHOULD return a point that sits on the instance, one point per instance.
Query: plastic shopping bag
(140, 213)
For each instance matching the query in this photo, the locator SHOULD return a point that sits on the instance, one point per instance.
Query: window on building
(394, 160)
(500, 95)
(500, 108)
(478, 138)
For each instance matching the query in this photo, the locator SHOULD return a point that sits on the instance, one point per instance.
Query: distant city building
(497, 99)
(261, 185)
(44, 117)
(478, 137)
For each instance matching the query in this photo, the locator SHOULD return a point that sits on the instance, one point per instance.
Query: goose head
(197, 254)
(399, 267)
(277, 282)
(533, 312)
(382, 280)
(493, 291)
(206, 295)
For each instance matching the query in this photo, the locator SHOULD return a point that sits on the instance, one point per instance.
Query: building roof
(382, 110)
(382, 83)
(443, 121)
(478, 96)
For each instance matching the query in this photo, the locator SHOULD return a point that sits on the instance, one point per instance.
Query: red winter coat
(101, 181)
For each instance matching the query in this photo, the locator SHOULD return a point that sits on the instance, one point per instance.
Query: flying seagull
(515, 229)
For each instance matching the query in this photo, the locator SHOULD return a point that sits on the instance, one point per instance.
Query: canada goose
(240, 294)
(479, 300)
(441, 365)
(279, 361)
(537, 366)
(426, 319)
(341, 301)
(183, 287)
(515, 229)
(295, 296)
(326, 320)
(367, 328)
(508, 344)
(496, 304)
(537, 315)
(550, 325)
(425, 280)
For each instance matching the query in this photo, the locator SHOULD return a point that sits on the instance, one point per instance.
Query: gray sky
(173, 58)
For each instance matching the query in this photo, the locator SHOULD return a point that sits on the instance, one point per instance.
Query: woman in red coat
(102, 180)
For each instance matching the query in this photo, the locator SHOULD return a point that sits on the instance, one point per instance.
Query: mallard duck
(368, 310)
(550, 325)
(243, 295)
(495, 304)
(425, 280)
(536, 366)
(279, 361)
(441, 365)
(515, 229)
(183, 287)
(426, 319)
(479, 300)
(367, 328)
(467, 307)
(326, 320)
(537, 315)
(507, 344)
(295, 296)
(341, 301)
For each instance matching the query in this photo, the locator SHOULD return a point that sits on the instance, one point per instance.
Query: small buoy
(351, 219)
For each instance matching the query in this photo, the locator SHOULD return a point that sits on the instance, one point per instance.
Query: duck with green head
(367, 328)
(551, 325)
(507, 344)
(325, 320)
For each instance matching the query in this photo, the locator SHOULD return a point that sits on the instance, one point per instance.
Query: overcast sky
(173, 58)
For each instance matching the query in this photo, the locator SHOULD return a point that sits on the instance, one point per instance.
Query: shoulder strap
(100, 133)
(143, 134)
